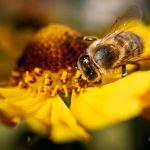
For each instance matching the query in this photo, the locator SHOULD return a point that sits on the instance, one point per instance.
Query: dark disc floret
(53, 48)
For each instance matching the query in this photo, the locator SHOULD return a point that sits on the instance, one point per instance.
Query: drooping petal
(64, 125)
(98, 107)
(44, 114)
(61, 125)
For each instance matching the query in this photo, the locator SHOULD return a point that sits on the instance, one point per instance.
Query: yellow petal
(60, 126)
(9, 112)
(64, 125)
(45, 115)
(98, 107)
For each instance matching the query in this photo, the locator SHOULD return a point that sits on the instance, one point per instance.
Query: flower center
(44, 81)
(46, 65)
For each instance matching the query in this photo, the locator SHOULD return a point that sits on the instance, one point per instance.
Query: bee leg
(82, 82)
(80, 78)
(124, 71)
(90, 38)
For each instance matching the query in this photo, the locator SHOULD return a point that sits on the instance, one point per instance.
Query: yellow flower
(42, 79)
(46, 94)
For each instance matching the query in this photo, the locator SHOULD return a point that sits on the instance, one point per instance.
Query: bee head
(87, 69)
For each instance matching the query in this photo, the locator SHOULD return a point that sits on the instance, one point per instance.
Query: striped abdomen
(130, 46)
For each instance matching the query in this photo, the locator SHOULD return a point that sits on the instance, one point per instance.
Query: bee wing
(134, 24)
(131, 21)
(126, 21)
(144, 56)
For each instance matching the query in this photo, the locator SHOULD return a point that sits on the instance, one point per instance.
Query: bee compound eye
(87, 68)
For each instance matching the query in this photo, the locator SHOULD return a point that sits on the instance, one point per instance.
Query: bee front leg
(82, 82)
(124, 71)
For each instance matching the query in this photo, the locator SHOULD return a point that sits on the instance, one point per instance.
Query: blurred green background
(19, 20)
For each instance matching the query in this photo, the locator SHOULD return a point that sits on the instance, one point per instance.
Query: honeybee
(116, 49)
